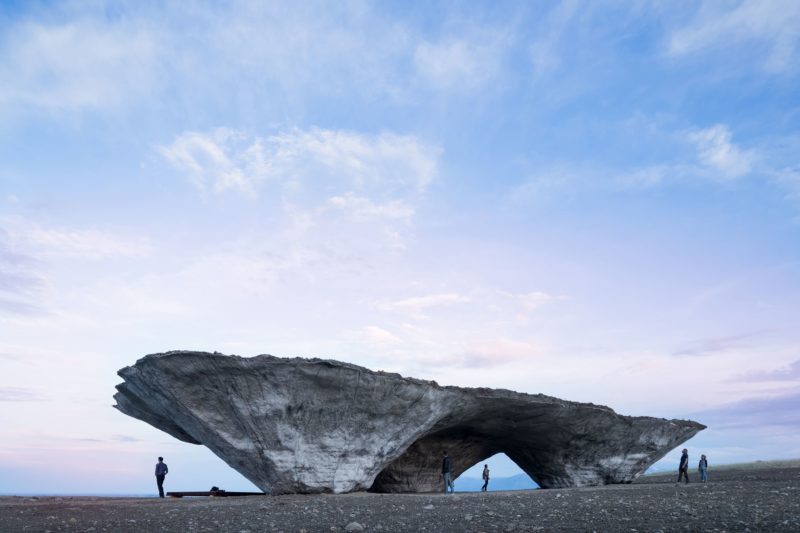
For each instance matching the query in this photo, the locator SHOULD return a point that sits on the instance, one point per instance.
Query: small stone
(429, 506)
(354, 526)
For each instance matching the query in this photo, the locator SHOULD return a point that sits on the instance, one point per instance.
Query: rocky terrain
(315, 426)
(752, 499)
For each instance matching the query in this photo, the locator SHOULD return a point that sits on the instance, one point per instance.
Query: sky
(598, 201)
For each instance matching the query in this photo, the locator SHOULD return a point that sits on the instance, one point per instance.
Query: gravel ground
(765, 499)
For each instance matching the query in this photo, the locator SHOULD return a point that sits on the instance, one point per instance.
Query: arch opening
(419, 467)
(504, 474)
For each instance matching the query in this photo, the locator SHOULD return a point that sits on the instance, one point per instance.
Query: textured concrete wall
(311, 425)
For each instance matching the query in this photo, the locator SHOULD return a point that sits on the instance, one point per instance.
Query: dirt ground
(752, 499)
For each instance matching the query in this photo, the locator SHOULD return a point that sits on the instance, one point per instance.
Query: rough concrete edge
(477, 391)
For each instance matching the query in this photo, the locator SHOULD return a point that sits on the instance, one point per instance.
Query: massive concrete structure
(311, 425)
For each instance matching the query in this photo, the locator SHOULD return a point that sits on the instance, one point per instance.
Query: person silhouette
(683, 467)
(702, 467)
(161, 473)
(447, 472)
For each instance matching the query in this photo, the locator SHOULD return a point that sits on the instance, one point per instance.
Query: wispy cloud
(790, 372)
(515, 305)
(18, 394)
(363, 186)
(755, 412)
(248, 269)
(373, 336)
(417, 306)
(327, 49)
(387, 160)
(773, 24)
(479, 328)
(461, 62)
(112, 438)
(222, 159)
(533, 300)
(71, 242)
(788, 179)
(489, 353)
(125, 438)
(496, 352)
(545, 49)
(30, 252)
(228, 159)
(717, 152)
(80, 64)
(86, 243)
(716, 158)
(86, 59)
(646, 177)
(698, 153)
(20, 286)
(715, 345)
(363, 207)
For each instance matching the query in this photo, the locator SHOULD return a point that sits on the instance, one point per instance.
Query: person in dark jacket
(446, 473)
(161, 473)
(485, 478)
(683, 467)
(703, 468)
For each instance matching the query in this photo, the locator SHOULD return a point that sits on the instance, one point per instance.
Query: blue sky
(597, 201)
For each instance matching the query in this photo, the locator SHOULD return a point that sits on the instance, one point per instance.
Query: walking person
(683, 467)
(703, 468)
(161, 473)
(485, 478)
(446, 473)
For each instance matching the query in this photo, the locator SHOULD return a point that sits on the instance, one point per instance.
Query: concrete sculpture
(311, 425)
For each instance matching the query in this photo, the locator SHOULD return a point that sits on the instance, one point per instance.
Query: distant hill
(759, 465)
(517, 482)
(524, 482)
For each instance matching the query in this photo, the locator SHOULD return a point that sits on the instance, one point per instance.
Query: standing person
(446, 473)
(703, 468)
(161, 472)
(485, 478)
(683, 468)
